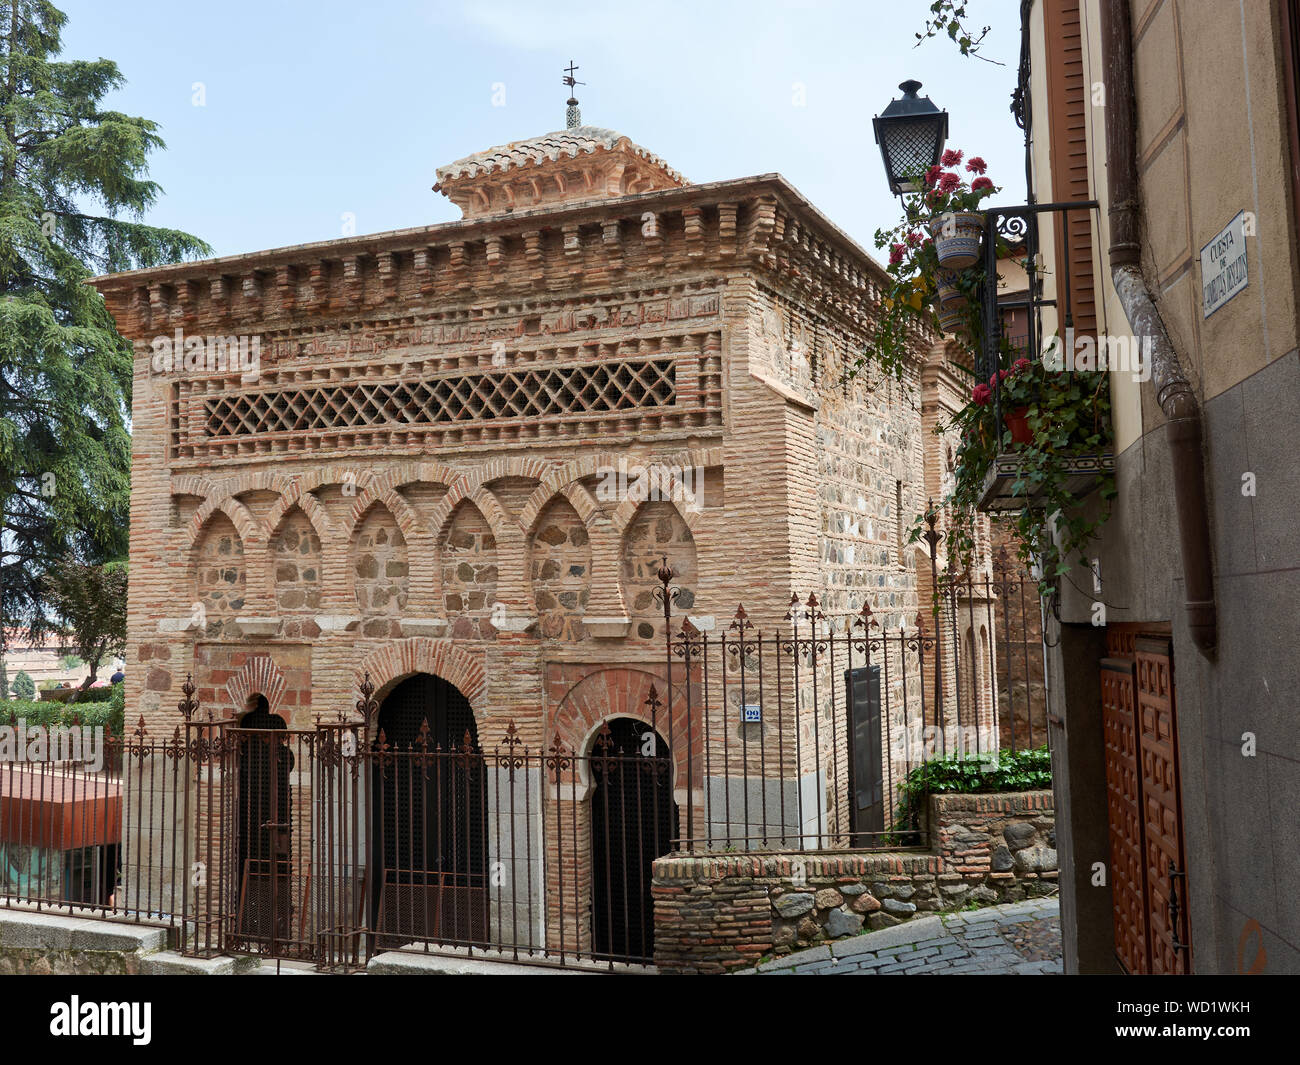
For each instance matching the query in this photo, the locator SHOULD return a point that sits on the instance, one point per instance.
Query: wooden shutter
(1068, 97)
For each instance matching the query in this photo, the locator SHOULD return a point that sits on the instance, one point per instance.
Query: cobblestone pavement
(1018, 938)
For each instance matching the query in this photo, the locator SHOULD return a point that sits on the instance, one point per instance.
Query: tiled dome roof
(551, 147)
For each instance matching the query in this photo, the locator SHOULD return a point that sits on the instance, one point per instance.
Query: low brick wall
(716, 913)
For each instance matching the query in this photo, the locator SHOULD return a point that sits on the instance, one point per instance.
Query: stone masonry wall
(717, 913)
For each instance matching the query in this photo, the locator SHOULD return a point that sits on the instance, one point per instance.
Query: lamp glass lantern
(911, 133)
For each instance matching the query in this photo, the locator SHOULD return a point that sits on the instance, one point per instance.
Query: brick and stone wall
(716, 913)
(412, 479)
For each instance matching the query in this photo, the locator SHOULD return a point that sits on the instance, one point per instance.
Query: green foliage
(92, 602)
(24, 686)
(947, 20)
(913, 264)
(73, 190)
(1028, 770)
(1068, 414)
(107, 711)
(1068, 411)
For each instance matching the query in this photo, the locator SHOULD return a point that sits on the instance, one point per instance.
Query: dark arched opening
(633, 821)
(429, 817)
(264, 827)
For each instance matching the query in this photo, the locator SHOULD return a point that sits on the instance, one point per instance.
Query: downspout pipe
(1174, 392)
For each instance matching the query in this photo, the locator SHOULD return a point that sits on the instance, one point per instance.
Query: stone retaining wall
(43, 944)
(716, 913)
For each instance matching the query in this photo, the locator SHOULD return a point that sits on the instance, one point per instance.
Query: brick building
(424, 455)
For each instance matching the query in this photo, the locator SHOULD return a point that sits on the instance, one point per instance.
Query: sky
(288, 121)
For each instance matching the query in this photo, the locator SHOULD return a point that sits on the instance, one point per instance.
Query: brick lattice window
(521, 393)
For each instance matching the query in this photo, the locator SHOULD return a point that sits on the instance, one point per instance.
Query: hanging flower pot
(1017, 422)
(949, 296)
(952, 318)
(956, 236)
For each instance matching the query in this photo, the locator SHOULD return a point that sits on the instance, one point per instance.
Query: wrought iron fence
(337, 842)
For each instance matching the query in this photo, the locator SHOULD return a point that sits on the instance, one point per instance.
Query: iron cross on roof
(572, 116)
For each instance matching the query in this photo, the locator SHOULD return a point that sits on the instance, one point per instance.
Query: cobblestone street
(1018, 938)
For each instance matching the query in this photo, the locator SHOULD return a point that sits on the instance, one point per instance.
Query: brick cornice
(761, 221)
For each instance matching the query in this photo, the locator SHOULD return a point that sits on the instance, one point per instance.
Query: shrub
(24, 686)
(108, 713)
(1019, 771)
(1028, 770)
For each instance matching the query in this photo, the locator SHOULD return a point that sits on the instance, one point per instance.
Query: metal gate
(633, 821)
(267, 866)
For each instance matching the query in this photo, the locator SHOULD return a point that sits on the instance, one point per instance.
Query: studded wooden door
(1162, 828)
(1148, 869)
(1124, 812)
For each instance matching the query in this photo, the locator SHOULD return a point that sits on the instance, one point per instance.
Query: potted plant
(1050, 417)
(956, 224)
(1019, 392)
(922, 285)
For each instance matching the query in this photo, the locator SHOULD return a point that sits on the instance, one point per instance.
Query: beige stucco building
(1177, 745)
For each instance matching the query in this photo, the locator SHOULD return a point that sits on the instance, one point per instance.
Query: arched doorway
(633, 821)
(429, 817)
(264, 826)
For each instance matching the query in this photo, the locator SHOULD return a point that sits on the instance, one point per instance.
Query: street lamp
(910, 132)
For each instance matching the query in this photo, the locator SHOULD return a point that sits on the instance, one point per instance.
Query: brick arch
(473, 489)
(311, 480)
(563, 479)
(389, 498)
(400, 659)
(406, 473)
(258, 676)
(193, 484)
(258, 481)
(575, 492)
(627, 509)
(622, 691)
(294, 497)
(240, 516)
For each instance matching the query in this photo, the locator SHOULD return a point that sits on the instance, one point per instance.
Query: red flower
(1001, 375)
(913, 239)
(932, 175)
(976, 165)
(1021, 365)
(951, 157)
(949, 181)
(981, 395)
(980, 183)
(896, 254)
